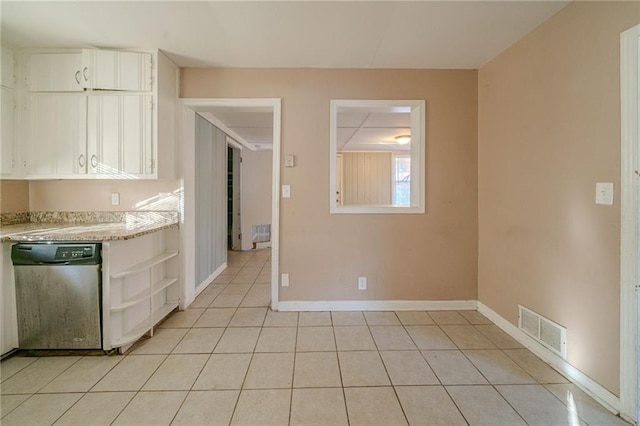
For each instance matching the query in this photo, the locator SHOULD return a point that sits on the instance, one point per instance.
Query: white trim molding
(234, 136)
(593, 389)
(629, 224)
(189, 107)
(203, 285)
(378, 305)
(417, 110)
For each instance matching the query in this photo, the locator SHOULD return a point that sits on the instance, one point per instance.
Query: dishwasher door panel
(58, 306)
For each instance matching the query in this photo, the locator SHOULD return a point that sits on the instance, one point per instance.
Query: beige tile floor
(228, 359)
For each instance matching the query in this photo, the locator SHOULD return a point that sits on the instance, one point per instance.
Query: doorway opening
(264, 113)
(234, 210)
(630, 225)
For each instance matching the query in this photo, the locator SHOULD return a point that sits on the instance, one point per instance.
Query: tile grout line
(377, 349)
(395, 392)
(293, 372)
(335, 341)
(246, 374)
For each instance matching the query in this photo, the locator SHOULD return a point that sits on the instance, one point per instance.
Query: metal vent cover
(551, 335)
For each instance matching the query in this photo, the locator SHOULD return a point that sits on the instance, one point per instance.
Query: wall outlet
(286, 191)
(284, 282)
(362, 283)
(115, 199)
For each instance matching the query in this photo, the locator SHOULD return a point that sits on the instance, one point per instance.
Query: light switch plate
(284, 282)
(115, 199)
(289, 160)
(286, 191)
(604, 193)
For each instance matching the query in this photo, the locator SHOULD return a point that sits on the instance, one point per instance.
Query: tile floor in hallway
(228, 359)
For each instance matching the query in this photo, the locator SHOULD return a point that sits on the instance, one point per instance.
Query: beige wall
(549, 129)
(431, 256)
(14, 196)
(255, 193)
(87, 195)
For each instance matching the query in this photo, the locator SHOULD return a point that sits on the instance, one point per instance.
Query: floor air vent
(553, 336)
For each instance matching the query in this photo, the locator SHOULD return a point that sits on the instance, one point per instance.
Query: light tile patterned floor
(228, 359)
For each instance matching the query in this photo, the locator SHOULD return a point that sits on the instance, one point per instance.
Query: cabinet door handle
(94, 161)
(81, 159)
(78, 77)
(84, 73)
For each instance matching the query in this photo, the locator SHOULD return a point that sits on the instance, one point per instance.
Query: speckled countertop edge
(88, 226)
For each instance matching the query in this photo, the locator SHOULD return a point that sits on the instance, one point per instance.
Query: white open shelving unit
(140, 286)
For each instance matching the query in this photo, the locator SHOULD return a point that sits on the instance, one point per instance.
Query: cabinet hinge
(239, 236)
(241, 159)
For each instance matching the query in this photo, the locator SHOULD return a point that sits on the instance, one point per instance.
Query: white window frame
(394, 170)
(418, 172)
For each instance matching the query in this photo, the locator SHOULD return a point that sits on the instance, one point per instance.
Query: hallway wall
(549, 129)
(431, 256)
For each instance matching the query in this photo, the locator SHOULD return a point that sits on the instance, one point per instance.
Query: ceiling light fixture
(403, 139)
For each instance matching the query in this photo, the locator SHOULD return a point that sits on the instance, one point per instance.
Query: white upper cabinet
(53, 72)
(116, 70)
(56, 135)
(90, 69)
(8, 79)
(123, 126)
(7, 151)
(8, 158)
(119, 135)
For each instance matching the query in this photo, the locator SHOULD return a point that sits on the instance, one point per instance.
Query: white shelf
(139, 267)
(143, 288)
(132, 301)
(144, 294)
(134, 334)
(145, 325)
(163, 311)
(161, 285)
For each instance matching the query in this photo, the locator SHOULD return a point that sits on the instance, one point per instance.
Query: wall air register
(551, 335)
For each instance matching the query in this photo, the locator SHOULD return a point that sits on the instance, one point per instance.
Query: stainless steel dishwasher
(58, 295)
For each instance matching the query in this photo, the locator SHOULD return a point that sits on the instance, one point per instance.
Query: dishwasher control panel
(56, 253)
(70, 252)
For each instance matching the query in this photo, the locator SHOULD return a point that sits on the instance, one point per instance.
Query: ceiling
(372, 131)
(328, 34)
(252, 126)
(325, 34)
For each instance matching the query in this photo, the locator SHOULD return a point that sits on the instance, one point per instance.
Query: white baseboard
(596, 391)
(200, 287)
(378, 305)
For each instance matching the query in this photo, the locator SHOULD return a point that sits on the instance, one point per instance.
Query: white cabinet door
(8, 317)
(7, 160)
(54, 72)
(114, 70)
(120, 135)
(56, 135)
(7, 79)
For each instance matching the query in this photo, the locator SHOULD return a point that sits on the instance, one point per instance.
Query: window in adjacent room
(377, 156)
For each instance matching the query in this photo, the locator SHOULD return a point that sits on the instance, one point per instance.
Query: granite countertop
(88, 226)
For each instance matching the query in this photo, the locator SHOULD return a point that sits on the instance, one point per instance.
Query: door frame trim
(275, 104)
(629, 224)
